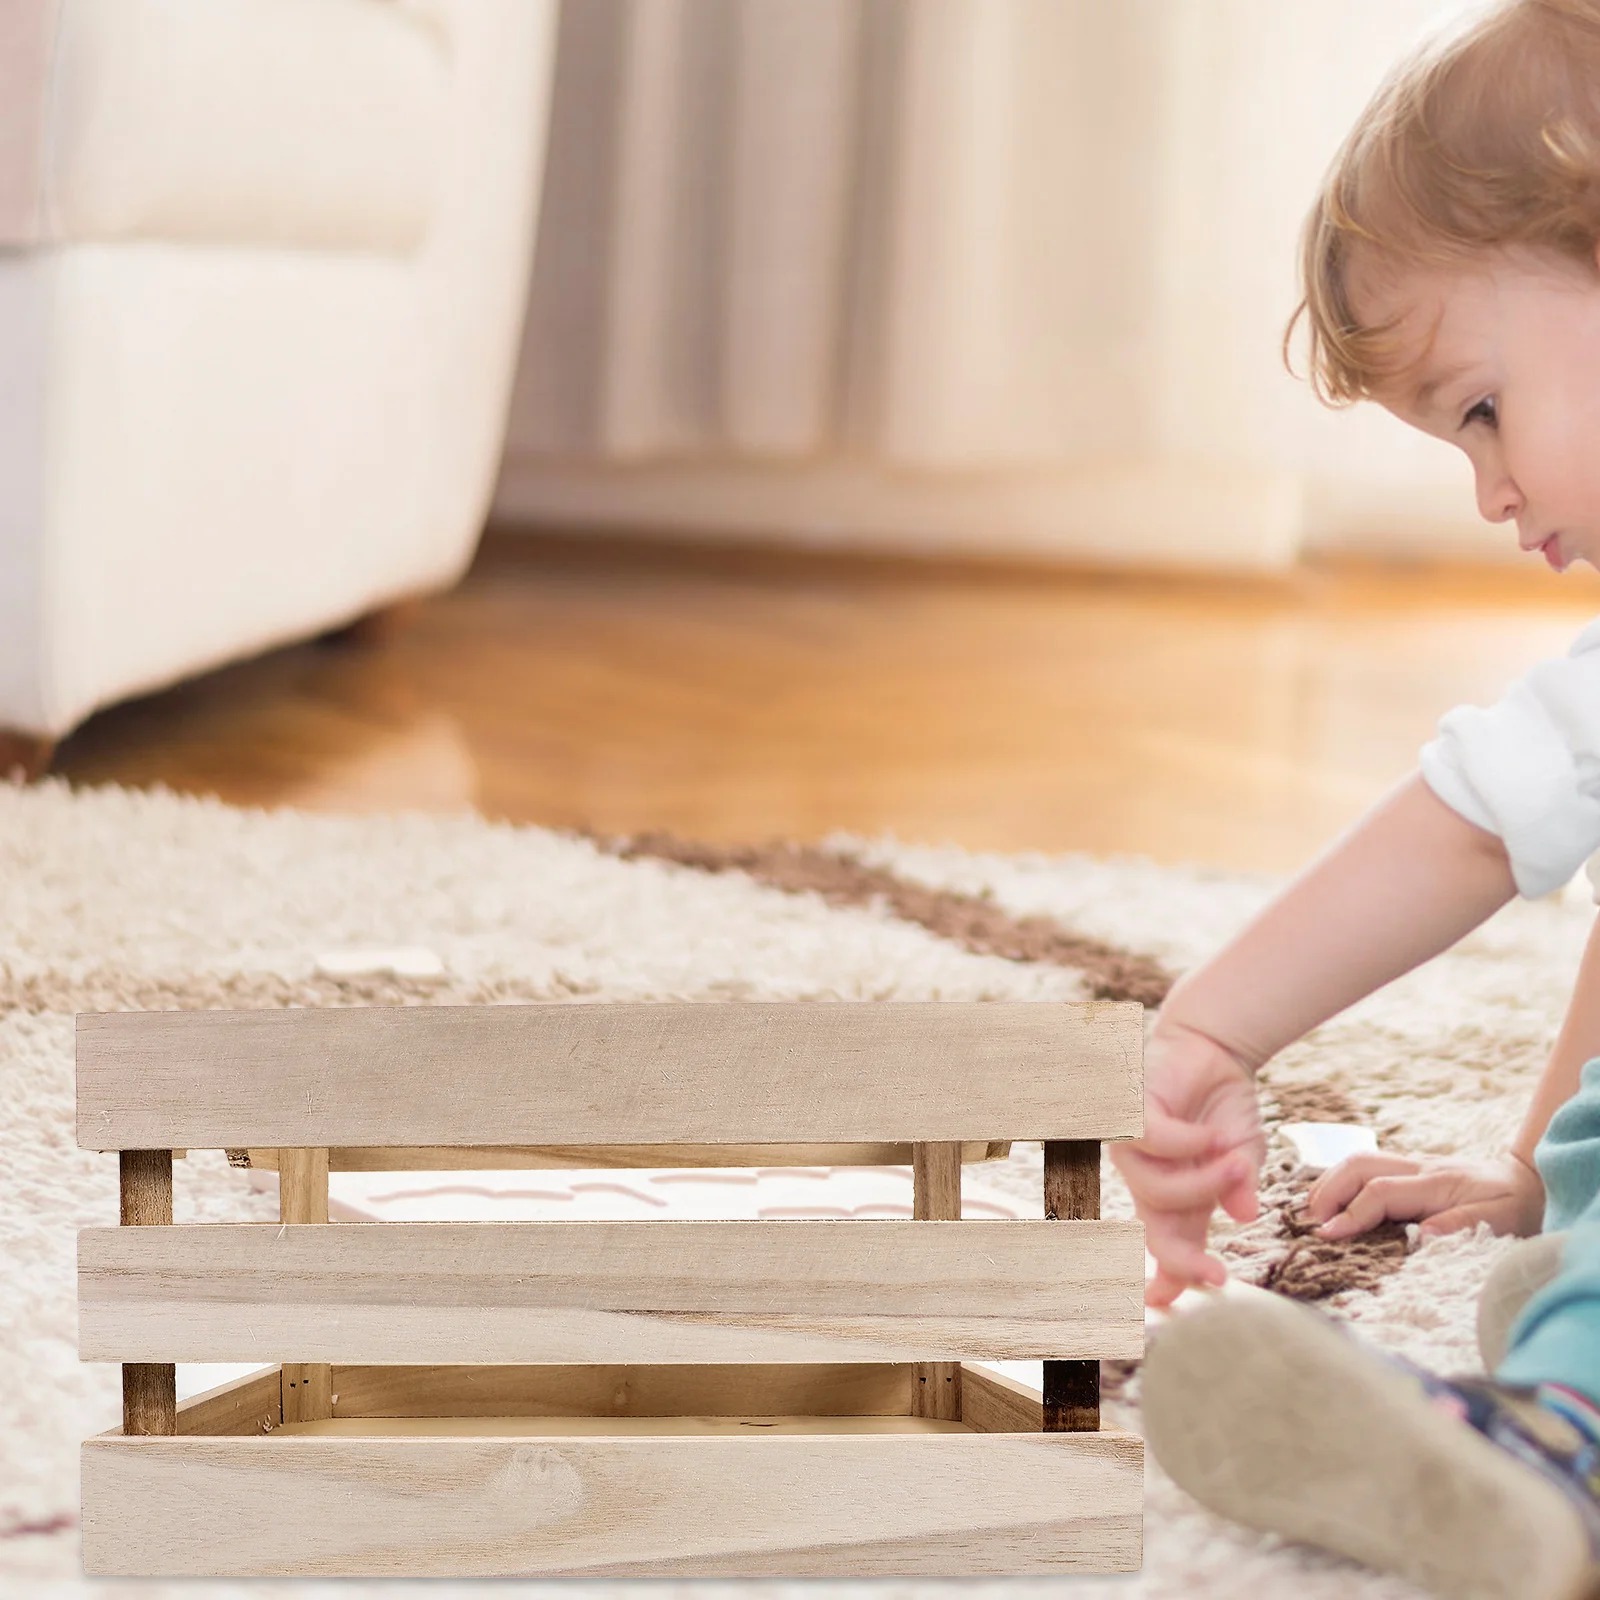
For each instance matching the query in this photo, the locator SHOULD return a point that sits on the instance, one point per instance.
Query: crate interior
(552, 1401)
(607, 1427)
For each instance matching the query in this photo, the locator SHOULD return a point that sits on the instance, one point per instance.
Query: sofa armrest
(269, 123)
(27, 46)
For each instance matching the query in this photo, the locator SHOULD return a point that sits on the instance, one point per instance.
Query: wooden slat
(303, 1185)
(149, 1397)
(936, 1197)
(149, 1388)
(307, 1387)
(248, 1405)
(609, 1074)
(1071, 1180)
(936, 1182)
(251, 1405)
(1071, 1194)
(929, 1504)
(145, 1188)
(837, 1389)
(564, 1158)
(608, 1427)
(612, 1291)
(994, 1403)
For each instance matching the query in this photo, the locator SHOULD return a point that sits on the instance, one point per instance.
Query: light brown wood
(302, 1185)
(1071, 1180)
(733, 696)
(838, 1389)
(149, 1397)
(1238, 726)
(246, 1406)
(564, 1158)
(570, 1074)
(145, 1188)
(921, 1504)
(994, 1403)
(149, 1388)
(612, 1291)
(1071, 1195)
(307, 1387)
(936, 1182)
(936, 1197)
(676, 1426)
(307, 1390)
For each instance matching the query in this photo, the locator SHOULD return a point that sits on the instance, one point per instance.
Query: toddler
(1451, 272)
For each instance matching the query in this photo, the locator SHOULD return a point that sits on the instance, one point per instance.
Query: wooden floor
(731, 698)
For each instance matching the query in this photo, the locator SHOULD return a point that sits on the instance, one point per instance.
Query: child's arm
(1408, 881)
(1507, 1193)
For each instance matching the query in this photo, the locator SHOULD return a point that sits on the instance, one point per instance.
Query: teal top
(1556, 1338)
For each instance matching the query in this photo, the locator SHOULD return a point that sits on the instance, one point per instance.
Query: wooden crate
(790, 1398)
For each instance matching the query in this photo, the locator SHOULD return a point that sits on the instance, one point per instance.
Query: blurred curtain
(975, 275)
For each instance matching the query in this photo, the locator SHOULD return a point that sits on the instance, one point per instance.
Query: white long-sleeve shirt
(1528, 768)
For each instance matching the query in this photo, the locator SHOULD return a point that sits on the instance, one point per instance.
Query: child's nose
(1499, 499)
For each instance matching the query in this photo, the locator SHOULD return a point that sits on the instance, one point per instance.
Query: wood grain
(149, 1388)
(994, 1403)
(925, 1504)
(307, 1387)
(745, 1073)
(1071, 1179)
(246, 1406)
(149, 1397)
(676, 1426)
(936, 1197)
(1072, 1194)
(835, 1389)
(936, 1182)
(302, 1185)
(588, 683)
(612, 1291)
(144, 1182)
(570, 1157)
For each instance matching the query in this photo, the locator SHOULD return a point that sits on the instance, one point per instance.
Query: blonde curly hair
(1487, 139)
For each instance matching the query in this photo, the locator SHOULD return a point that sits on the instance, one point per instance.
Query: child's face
(1506, 365)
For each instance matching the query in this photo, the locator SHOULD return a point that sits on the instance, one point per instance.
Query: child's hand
(1202, 1148)
(1444, 1195)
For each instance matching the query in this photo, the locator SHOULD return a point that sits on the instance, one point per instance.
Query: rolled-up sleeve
(1528, 769)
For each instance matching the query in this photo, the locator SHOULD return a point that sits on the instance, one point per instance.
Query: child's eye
(1486, 411)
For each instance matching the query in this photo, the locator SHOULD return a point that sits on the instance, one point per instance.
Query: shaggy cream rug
(116, 899)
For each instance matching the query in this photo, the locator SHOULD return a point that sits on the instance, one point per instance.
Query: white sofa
(262, 270)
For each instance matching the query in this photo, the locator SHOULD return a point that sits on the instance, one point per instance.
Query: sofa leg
(378, 627)
(24, 756)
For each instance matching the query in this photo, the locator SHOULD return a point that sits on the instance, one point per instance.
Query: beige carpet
(117, 899)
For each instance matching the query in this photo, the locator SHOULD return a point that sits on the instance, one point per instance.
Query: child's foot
(1272, 1415)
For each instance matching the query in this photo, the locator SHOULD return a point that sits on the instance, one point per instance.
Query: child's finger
(1390, 1200)
(1242, 1199)
(1184, 1267)
(1171, 1138)
(1455, 1219)
(1335, 1189)
(1163, 1288)
(1176, 1240)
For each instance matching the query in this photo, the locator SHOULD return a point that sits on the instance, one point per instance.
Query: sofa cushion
(290, 123)
(27, 43)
